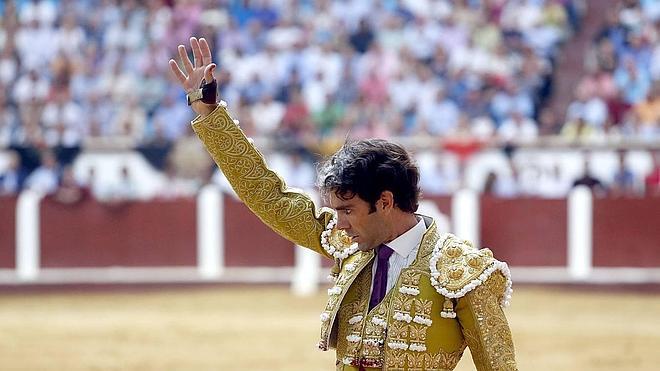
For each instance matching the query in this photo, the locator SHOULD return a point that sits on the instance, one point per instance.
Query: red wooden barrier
(525, 232)
(249, 242)
(443, 202)
(7, 231)
(626, 232)
(135, 234)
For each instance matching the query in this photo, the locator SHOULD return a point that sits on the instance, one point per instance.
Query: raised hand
(201, 68)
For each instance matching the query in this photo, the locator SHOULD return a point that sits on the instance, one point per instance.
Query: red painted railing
(523, 232)
(7, 231)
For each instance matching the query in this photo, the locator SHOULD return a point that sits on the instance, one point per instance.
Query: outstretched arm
(290, 213)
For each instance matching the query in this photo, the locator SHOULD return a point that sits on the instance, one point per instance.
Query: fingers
(208, 72)
(177, 72)
(206, 51)
(187, 64)
(197, 53)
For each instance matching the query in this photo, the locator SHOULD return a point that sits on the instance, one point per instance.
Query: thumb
(208, 72)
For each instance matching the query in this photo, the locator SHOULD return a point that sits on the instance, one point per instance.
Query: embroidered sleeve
(485, 327)
(290, 213)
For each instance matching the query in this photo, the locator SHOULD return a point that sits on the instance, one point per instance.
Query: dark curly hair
(367, 168)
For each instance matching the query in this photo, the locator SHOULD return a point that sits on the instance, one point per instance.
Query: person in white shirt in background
(45, 178)
(518, 128)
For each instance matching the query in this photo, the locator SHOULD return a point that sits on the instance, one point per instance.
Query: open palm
(201, 68)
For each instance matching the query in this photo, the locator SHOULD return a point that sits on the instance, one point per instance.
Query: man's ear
(386, 201)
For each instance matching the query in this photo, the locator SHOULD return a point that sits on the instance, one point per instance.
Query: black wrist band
(210, 92)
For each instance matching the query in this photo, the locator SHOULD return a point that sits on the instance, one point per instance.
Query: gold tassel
(448, 309)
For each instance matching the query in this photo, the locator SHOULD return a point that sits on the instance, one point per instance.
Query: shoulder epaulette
(457, 268)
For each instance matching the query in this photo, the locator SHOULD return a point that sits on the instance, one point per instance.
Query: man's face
(354, 217)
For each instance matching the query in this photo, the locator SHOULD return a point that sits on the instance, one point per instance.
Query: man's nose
(342, 222)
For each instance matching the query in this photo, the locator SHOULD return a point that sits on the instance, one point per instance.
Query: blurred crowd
(307, 74)
(620, 94)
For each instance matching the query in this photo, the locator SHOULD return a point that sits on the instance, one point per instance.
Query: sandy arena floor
(265, 328)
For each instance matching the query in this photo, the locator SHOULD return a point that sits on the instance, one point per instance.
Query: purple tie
(380, 279)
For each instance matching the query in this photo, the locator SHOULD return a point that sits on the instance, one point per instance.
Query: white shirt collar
(405, 243)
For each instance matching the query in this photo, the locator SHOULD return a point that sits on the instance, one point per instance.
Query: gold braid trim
(290, 213)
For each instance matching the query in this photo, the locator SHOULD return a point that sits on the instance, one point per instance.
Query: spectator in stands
(296, 119)
(509, 99)
(44, 12)
(45, 178)
(61, 119)
(648, 114)
(602, 57)
(589, 106)
(362, 38)
(327, 119)
(613, 31)
(578, 130)
(549, 123)
(441, 116)
(70, 191)
(31, 87)
(267, 114)
(12, 175)
(9, 64)
(623, 183)
(632, 81)
(170, 119)
(518, 128)
(587, 179)
(9, 123)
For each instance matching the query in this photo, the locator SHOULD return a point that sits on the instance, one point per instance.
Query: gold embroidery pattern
(402, 304)
(423, 307)
(410, 282)
(347, 311)
(374, 331)
(431, 237)
(396, 360)
(410, 278)
(476, 349)
(291, 214)
(398, 331)
(460, 263)
(424, 361)
(491, 343)
(345, 281)
(415, 334)
(418, 330)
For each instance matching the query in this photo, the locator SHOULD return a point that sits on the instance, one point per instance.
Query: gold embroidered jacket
(450, 297)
